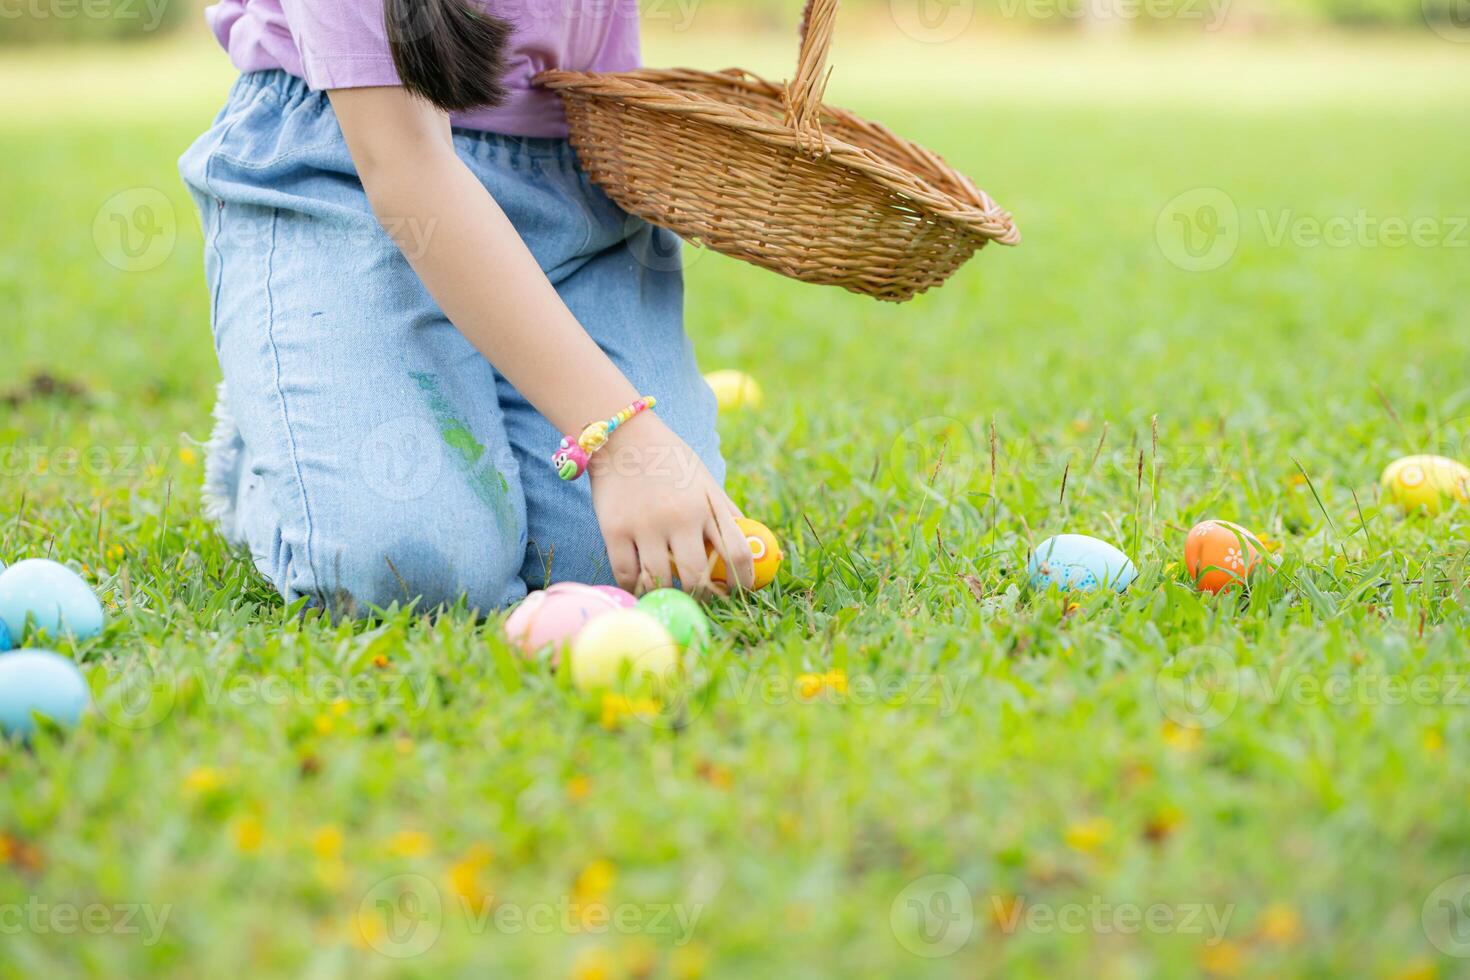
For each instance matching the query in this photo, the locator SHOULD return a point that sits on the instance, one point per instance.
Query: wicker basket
(771, 175)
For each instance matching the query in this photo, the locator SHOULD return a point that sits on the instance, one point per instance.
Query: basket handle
(804, 92)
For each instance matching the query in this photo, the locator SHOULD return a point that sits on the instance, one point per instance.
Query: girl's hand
(659, 506)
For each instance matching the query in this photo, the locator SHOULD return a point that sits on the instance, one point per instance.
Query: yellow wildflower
(596, 878)
(689, 962)
(808, 686)
(464, 875)
(326, 841)
(835, 680)
(188, 456)
(1224, 959)
(1280, 923)
(203, 781)
(249, 834)
(1088, 836)
(578, 788)
(409, 844)
(1181, 738)
(593, 963)
(1421, 968)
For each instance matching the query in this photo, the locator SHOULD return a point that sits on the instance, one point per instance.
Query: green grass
(1023, 747)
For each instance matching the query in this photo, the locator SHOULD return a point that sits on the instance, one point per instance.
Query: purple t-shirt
(343, 44)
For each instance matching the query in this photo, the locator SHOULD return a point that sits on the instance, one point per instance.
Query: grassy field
(990, 782)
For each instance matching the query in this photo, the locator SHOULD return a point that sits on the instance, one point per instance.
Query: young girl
(417, 293)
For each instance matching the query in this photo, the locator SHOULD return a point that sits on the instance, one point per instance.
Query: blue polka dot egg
(1078, 563)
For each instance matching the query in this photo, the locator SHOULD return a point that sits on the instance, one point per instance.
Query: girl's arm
(486, 281)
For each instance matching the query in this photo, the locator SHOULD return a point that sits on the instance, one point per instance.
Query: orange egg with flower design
(1219, 555)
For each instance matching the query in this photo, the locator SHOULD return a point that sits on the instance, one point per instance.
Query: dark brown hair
(448, 51)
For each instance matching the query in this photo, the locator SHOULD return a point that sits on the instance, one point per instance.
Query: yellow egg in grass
(765, 548)
(734, 389)
(627, 638)
(1426, 484)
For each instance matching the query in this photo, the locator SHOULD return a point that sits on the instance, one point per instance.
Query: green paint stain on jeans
(472, 457)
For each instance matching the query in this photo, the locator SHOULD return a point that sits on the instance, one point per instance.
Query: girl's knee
(431, 559)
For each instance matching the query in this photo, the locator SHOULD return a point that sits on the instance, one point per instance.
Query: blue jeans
(366, 453)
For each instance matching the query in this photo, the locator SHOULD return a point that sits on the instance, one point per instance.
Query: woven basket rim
(656, 90)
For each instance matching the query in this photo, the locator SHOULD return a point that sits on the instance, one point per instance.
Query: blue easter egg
(39, 682)
(52, 596)
(1078, 562)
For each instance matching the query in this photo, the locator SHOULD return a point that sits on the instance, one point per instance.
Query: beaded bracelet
(574, 454)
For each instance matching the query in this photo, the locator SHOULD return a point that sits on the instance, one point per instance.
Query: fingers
(653, 556)
(623, 556)
(693, 562)
(730, 542)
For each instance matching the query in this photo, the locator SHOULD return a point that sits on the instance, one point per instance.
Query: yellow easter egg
(764, 548)
(626, 638)
(734, 389)
(1427, 484)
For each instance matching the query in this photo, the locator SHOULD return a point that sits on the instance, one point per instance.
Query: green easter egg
(681, 616)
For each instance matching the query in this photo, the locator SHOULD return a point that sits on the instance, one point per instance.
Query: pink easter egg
(625, 599)
(554, 617)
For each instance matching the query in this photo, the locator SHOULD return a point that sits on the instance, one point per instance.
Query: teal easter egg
(1076, 562)
(39, 682)
(53, 597)
(681, 616)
